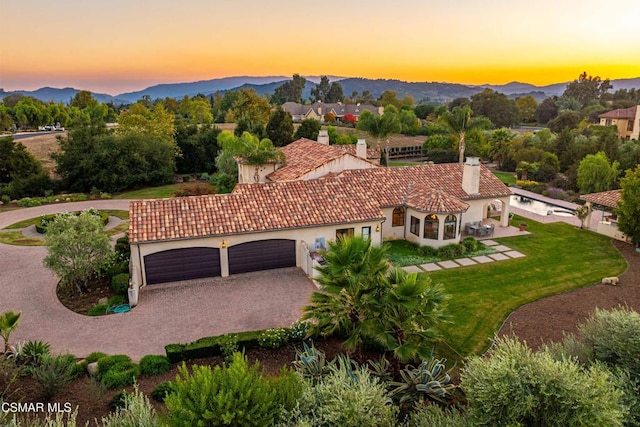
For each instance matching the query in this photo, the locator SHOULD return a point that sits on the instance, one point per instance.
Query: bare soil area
(549, 319)
(42, 146)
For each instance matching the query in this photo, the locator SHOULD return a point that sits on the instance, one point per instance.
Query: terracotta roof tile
(304, 156)
(606, 198)
(622, 113)
(426, 199)
(251, 208)
(390, 183)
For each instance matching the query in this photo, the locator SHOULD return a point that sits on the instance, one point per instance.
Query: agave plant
(32, 352)
(311, 362)
(429, 380)
(8, 322)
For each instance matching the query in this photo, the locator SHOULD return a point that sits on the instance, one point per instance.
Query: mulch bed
(549, 319)
(81, 303)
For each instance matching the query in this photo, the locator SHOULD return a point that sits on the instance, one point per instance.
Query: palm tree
(251, 150)
(8, 322)
(353, 275)
(381, 127)
(408, 315)
(459, 123)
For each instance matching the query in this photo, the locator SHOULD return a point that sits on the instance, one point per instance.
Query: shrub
(136, 412)
(233, 395)
(33, 352)
(186, 178)
(152, 365)
(5, 199)
(122, 248)
(273, 338)
(118, 400)
(98, 310)
(427, 251)
(433, 415)
(228, 344)
(298, 331)
(95, 357)
(346, 398)
(121, 375)
(28, 202)
(9, 374)
(310, 362)
(161, 391)
(470, 244)
(516, 386)
(55, 373)
(204, 176)
(120, 283)
(117, 300)
(450, 251)
(117, 371)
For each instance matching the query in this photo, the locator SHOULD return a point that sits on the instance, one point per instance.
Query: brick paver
(166, 314)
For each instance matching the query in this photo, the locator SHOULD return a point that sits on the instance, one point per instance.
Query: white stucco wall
(300, 235)
(346, 162)
(246, 173)
(430, 242)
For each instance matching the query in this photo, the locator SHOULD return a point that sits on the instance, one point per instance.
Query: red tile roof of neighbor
(609, 199)
(355, 196)
(623, 113)
(252, 208)
(304, 155)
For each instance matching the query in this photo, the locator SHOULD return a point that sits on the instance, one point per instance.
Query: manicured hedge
(213, 346)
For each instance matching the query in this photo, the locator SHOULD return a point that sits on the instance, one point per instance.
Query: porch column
(504, 215)
(587, 221)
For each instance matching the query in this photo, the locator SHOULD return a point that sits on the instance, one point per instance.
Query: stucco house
(627, 120)
(308, 159)
(318, 109)
(278, 224)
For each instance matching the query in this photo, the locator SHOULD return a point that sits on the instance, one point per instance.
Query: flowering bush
(273, 338)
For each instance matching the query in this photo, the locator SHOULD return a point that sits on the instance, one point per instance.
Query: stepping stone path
(503, 253)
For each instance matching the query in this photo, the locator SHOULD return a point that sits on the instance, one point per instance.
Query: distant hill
(46, 94)
(205, 87)
(434, 92)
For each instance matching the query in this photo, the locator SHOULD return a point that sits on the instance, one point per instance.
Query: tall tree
(77, 249)
(547, 110)
(381, 127)
(280, 128)
(320, 92)
(335, 93)
(527, 106)
(496, 107)
(289, 91)
(309, 128)
(459, 123)
(596, 173)
(587, 89)
(628, 210)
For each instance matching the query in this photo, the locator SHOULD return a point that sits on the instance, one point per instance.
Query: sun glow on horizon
(120, 46)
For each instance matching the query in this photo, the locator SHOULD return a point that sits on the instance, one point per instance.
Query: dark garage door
(182, 264)
(262, 255)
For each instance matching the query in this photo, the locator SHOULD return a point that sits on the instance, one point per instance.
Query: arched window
(397, 217)
(431, 226)
(450, 225)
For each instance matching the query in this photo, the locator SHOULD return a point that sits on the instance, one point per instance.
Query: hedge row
(220, 345)
(41, 227)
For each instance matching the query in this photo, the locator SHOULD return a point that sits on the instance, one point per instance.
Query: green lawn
(507, 178)
(406, 163)
(402, 253)
(161, 192)
(559, 258)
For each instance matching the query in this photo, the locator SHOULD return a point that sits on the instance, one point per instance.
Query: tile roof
(252, 208)
(623, 113)
(425, 199)
(304, 155)
(606, 198)
(390, 183)
(320, 108)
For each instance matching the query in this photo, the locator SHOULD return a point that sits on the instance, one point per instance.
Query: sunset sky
(117, 46)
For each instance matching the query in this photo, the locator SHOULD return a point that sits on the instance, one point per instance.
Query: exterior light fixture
(223, 244)
(378, 227)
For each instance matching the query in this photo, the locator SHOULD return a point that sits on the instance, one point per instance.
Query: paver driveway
(175, 313)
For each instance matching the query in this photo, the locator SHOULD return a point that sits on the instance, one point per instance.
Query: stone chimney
(361, 149)
(323, 137)
(471, 176)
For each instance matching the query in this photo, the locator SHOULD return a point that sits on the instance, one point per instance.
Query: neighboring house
(261, 226)
(307, 159)
(627, 120)
(607, 201)
(318, 109)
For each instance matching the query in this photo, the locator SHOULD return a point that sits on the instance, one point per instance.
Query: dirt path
(548, 319)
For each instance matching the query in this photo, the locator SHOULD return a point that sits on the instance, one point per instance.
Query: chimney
(323, 137)
(471, 176)
(361, 149)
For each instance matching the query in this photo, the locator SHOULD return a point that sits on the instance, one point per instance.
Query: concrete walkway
(175, 313)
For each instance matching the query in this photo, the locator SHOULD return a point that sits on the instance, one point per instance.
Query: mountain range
(434, 92)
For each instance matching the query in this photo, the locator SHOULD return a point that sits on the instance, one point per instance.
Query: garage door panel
(262, 255)
(182, 264)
